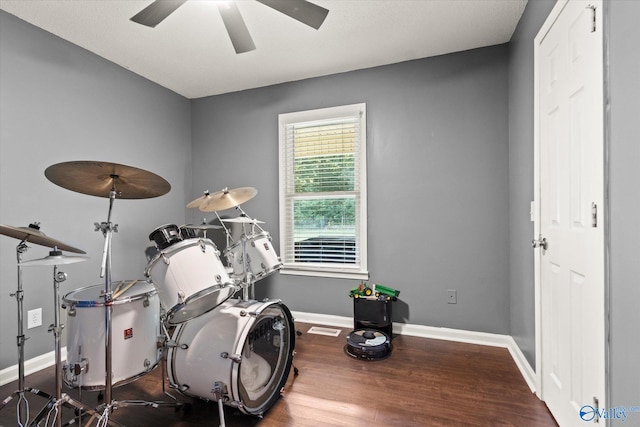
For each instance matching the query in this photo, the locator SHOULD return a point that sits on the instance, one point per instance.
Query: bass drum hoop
(284, 374)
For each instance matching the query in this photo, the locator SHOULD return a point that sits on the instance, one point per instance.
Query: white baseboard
(470, 337)
(482, 338)
(35, 364)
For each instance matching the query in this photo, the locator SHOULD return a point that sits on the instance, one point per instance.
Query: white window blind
(323, 191)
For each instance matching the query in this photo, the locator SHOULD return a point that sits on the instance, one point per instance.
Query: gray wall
(624, 210)
(521, 272)
(437, 181)
(59, 102)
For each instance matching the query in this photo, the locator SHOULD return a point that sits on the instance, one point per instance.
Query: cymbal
(54, 258)
(243, 220)
(226, 199)
(199, 201)
(99, 178)
(33, 234)
(202, 226)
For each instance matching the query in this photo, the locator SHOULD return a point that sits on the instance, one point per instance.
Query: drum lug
(181, 297)
(145, 303)
(72, 311)
(235, 357)
(165, 258)
(203, 247)
(81, 367)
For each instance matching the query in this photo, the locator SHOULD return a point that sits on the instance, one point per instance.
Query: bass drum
(247, 346)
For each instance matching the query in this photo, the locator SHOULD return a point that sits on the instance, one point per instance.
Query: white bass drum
(247, 346)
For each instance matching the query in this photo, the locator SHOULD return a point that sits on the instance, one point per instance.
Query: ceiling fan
(300, 10)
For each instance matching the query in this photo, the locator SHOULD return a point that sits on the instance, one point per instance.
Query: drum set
(218, 342)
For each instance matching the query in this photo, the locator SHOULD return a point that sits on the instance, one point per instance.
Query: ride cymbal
(100, 178)
(33, 234)
(226, 199)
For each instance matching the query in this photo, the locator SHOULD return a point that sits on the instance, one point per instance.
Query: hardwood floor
(424, 382)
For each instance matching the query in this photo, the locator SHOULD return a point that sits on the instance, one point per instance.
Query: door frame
(535, 208)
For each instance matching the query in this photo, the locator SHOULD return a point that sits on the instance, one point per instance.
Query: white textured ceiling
(190, 52)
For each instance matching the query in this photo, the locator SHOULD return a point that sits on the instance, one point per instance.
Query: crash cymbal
(199, 201)
(99, 178)
(243, 220)
(226, 199)
(202, 227)
(54, 258)
(33, 234)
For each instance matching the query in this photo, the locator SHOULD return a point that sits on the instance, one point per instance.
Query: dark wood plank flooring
(424, 382)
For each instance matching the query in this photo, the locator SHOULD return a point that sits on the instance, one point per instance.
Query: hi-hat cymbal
(202, 226)
(226, 199)
(243, 220)
(33, 234)
(54, 258)
(99, 178)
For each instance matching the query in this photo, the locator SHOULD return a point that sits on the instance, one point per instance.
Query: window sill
(358, 275)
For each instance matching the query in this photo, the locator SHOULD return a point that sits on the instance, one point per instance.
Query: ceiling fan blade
(237, 29)
(156, 12)
(300, 10)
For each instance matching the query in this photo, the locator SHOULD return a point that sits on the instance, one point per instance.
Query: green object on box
(384, 290)
(361, 291)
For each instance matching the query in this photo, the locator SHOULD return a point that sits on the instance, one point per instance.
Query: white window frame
(360, 271)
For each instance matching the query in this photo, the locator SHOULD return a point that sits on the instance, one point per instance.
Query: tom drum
(190, 279)
(262, 259)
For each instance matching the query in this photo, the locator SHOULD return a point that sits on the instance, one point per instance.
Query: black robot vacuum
(368, 344)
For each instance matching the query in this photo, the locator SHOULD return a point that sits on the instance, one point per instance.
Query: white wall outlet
(34, 318)
(452, 296)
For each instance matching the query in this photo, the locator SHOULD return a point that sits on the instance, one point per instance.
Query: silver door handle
(541, 242)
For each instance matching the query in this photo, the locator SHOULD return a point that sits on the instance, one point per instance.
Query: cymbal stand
(247, 285)
(107, 229)
(110, 405)
(23, 404)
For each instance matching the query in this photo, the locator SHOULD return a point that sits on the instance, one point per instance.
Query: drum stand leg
(23, 403)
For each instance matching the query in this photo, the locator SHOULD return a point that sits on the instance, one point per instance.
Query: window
(323, 197)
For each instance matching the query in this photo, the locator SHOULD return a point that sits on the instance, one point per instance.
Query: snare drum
(246, 346)
(262, 259)
(135, 326)
(190, 279)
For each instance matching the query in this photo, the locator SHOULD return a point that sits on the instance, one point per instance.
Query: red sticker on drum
(128, 333)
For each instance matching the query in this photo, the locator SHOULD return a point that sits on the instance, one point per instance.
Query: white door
(569, 63)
